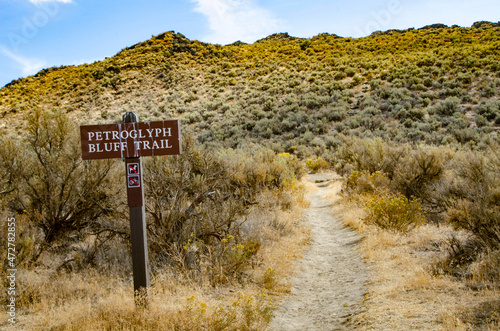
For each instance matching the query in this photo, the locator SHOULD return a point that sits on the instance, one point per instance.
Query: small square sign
(133, 168)
(133, 181)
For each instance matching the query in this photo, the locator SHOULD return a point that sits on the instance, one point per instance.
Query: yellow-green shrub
(315, 164)
(292, 172)
(394, 213)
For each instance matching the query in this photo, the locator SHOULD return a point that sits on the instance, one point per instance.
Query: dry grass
(283, 237)
(89, 300)
(172, 306)
(403, 292)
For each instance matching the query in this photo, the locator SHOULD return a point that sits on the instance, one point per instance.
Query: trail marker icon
(134, 181)
(133, 168)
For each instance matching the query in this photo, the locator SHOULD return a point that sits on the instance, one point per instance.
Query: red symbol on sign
(133, 168)
(134, 181)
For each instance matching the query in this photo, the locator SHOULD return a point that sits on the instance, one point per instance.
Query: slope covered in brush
(437, 85)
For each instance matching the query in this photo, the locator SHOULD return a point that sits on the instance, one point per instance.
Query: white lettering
(150, 131)
(167, 132)
(98, 136)
(133, 134)
(108, 147)
(137, 145)
(116, 146)
(115, 135)
(166, 144)
(141, 135)
(106, 133)
(91, 135)
(145, 145)
(91, 148)
(155, 145)
(124, 134)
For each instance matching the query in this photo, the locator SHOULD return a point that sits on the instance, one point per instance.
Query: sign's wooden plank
(134, 139)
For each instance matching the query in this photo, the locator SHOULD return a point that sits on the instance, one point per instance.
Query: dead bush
(417, 170)
(460, 253)
(362, 182)
(369, 155)
(487, 268)
(483, 316)
(197, 202)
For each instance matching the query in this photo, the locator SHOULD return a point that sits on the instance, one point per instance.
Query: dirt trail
(328, 283)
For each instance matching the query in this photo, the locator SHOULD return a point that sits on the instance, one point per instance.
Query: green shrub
(489, 109)
(473, 198)
(481, 121)
(447, 107)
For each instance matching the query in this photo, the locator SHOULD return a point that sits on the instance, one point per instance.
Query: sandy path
(328, 285)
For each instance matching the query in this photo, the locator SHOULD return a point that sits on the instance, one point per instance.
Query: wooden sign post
(135, 196)
(131, 140)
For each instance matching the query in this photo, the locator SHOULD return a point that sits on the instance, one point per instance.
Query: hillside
(437, 85)
(408, 119)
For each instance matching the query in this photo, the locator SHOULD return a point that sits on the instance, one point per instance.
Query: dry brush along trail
(328, 285)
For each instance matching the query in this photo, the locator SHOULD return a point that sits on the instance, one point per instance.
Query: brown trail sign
(131, 140)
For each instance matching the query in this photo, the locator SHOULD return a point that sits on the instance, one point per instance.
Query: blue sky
(36, 34)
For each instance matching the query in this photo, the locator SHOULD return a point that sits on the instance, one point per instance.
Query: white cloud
(232, 20)
(38, 2)
(29, 66)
